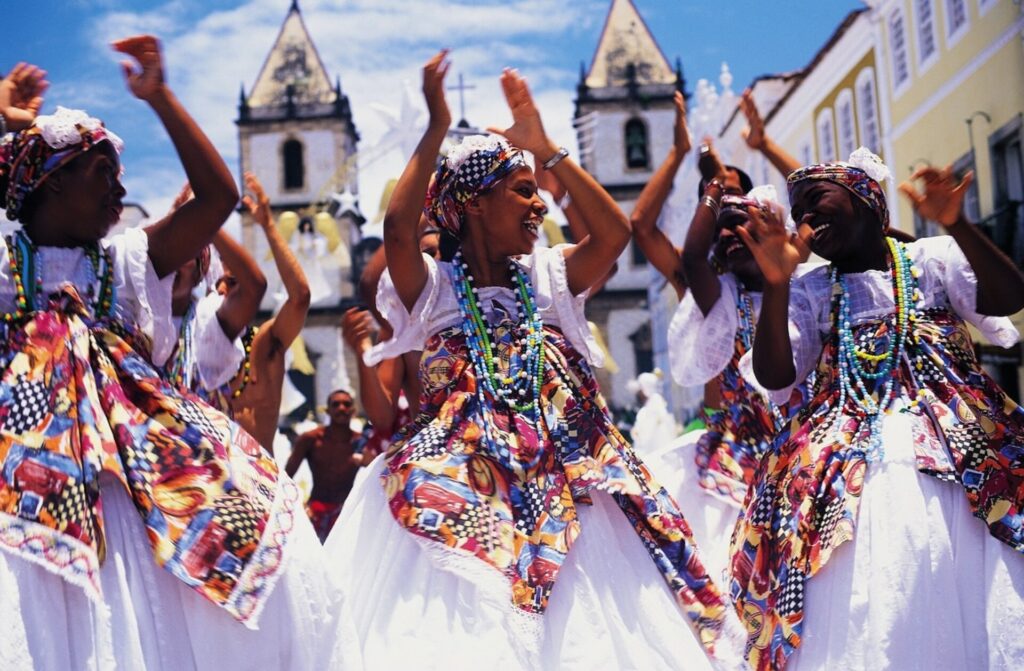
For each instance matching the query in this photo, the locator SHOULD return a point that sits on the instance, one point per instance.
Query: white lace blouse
(140, 297)
(700, 346)
(437, 307)
(946, 280)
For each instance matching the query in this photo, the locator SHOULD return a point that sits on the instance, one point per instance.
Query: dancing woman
(107, 471)
(513, 474)
(907, 450)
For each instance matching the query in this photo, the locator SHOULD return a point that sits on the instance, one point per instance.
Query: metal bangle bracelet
(710, 203)
(553, 161)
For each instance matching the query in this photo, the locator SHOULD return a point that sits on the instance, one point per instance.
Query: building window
(927, 48)
(867, 110)
(636, 144)
(637, 257)
(972, 206)
(643, 349)
(985, 5)
(294, 166)
(847, 129)
(956, 19)
(806, 153)
(898, 48)
(826, 137)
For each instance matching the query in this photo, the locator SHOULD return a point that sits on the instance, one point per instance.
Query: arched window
(867, 111)
(636, 144)
(846, 125)
(826, 137)
(294, 166)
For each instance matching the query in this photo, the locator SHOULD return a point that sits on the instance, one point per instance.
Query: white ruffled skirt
(610, 608)
(922, 585)
(711, 517)
(153, 621)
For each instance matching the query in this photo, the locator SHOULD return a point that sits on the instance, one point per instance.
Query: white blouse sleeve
(139, 290)
(941, 258)
(700, 346)
(217, 357)
(410, 330)
(809, 304)
(550, 277)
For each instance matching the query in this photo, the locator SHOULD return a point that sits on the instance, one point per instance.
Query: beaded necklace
(747, 324)
(517, 390)
(181, 365)
(853, 378)
(23, 255)
(247, 338)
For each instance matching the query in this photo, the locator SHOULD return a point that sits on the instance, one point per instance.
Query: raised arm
(588, 261)
(182, 234)
(700, 237)
(1000, 281)
(242, 301)
(757, 139)
(652, 241)
(401, 232)
(21, 95)
(377, 403)
(286, 325)
(777, 254)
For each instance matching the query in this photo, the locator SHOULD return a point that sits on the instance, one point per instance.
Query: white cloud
(372, 45)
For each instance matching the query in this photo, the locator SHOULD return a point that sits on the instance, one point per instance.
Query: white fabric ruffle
(140, 296)
(437, 307)
(702, 345)
(610, 608)
(217, 357)
(151, 620)
(922, 585)
(946, 280)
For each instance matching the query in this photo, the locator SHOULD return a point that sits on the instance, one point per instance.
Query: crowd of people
(853, 499)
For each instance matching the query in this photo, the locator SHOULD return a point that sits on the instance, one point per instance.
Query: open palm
(146, 82)
(526, 131)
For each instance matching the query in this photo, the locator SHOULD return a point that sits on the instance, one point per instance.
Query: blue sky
(377, 47)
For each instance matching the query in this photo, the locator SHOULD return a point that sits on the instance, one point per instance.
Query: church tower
(624, 120)
(297, 135)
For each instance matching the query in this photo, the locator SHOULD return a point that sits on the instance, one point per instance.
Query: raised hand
(526, 131)
(21, 95)
(433, 89)
(943, 197)
(681, 132)
(355, 329)
(183, 197)
(776, 250)
(709, 163)
(754, 132)
(258, 203)
(147, 82)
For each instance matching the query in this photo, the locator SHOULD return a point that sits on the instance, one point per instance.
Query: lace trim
(257, 581)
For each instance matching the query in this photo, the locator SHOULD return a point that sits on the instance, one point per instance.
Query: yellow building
(955, 71)
(920, 82)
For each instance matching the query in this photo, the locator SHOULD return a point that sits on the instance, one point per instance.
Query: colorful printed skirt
(78, 400)
(516, 513)
(804, 501)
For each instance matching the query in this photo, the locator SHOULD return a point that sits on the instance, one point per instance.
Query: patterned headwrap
(469, 169)
(862, 175)
(28, 157)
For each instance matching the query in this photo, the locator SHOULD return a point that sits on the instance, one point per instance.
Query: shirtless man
(256, 388)
(331, 461)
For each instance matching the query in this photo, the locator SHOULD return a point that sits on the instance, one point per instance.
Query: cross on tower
(462, 88)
